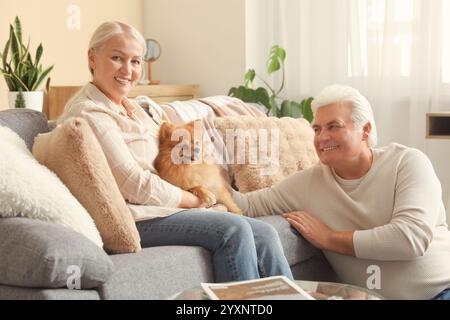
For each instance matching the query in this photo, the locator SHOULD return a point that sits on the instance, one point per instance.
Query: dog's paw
(208, 198)
(235, 209)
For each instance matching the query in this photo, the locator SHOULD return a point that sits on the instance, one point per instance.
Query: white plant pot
(33, 99)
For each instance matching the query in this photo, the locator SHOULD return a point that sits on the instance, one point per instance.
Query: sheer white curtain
(396, 52)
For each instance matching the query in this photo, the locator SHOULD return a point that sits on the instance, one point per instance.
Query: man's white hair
(361, 110)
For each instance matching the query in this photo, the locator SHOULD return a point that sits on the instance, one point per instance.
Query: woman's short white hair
(109, 29)
(361, 110)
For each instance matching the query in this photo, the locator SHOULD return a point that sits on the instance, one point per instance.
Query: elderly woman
(242, 248)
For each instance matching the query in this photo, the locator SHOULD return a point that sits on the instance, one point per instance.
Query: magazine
(271, 288)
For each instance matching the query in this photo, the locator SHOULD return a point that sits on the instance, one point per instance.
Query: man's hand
(319, 234)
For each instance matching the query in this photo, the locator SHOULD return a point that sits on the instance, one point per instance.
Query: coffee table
(318, 289)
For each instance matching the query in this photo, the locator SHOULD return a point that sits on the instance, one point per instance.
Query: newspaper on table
(271, 288)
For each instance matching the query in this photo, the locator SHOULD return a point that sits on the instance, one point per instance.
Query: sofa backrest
(26, 123)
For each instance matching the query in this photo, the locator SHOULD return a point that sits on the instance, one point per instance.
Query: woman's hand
(189, 200)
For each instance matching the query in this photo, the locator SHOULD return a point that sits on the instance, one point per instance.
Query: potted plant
(275, 105)
(22, 73)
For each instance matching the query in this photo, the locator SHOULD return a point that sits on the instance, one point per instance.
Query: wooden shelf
(58, 96)
(438, 125)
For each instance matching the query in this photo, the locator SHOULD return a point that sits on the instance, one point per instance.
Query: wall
(203, 42)
(46, 21)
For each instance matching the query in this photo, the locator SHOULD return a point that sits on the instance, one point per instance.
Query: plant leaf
(291, 109)
(259, 95)
(5, 53)
(276, 59)
(307, 110)
(18, 28)
(15, 46)
(39, 52)
(19, 82)
(286, 108)
(32, 76)
(249, 77)
(41, 78)
(278, 52)
(273, 65)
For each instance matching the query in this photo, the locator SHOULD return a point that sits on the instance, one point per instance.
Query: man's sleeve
(285, 196)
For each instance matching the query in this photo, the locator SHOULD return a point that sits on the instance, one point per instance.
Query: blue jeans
(242, 248)
(443, 295)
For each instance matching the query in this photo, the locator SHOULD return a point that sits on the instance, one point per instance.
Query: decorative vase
(33, 99)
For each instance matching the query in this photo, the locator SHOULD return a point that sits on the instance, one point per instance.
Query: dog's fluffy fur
(207, 181)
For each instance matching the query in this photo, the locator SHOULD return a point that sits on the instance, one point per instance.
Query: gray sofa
(153, 273)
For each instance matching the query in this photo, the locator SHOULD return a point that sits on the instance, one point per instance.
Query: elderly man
(376, 213)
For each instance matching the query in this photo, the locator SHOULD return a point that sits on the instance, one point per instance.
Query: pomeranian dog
(180, 161)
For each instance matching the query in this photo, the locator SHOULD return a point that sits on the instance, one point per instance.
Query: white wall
(203, 42)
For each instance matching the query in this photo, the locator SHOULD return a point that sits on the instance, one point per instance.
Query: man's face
(336, 139)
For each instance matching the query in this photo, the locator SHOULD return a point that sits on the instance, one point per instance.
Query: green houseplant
(22, 71)
(274, 103)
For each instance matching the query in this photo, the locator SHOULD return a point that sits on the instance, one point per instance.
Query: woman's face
(117, 66)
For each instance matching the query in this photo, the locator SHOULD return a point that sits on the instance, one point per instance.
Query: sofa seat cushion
(40, 254)
(157, 272)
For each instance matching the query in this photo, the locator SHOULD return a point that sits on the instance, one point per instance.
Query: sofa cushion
(72, 151)
(26, 123)
(18, 293)
(29, 189)
(35, 253)
(264, 151)
(157, 272)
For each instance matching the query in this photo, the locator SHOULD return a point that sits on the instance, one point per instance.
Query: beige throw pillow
(74, 154)
(264, 151)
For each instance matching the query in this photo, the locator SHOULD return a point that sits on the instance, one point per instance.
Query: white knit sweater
(396, 209)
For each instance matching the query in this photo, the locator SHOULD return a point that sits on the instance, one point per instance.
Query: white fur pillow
(28, 189)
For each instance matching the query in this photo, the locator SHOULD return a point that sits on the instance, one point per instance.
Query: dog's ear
(165, 132)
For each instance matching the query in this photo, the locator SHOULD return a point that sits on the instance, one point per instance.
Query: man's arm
(285, 196)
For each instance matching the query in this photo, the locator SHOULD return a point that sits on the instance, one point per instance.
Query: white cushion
(28, 189)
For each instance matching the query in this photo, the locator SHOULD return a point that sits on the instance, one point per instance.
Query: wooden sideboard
(57, 96)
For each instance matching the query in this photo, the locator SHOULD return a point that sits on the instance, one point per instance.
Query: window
(382, 35)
